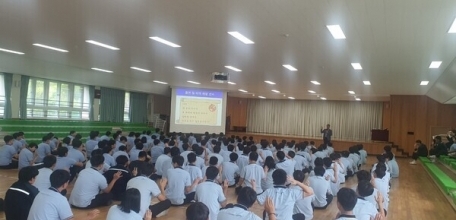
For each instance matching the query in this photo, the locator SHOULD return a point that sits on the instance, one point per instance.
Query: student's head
(213, 161)
(131, 134)
(380, 171)
(122, 148)
(346, 199)
(280, 155)
(123, 139)
(345, 154)
(175, 151)
(318, 162)
(191, 157)
(299, 175)
(66, 140)
(327, 162)
(146, 170)
(334, 156)
(59, 179)
(131, 201)
(108, 133)
(253, 156)
(122, 160)
(247, 197)
(230, 147)
(365, 188)
(211, 173)
(312, 143)
(49, 161)
(234, 157)
(363, 175)
(314, 150)
(156, 142)
(167, 150)
(73, 133)
(28, 174)
(112, 143)
(178, 161)
(185, 146)
(93, 135)
(381, 158)
(139, 146)
(389, 155)
(77, 144)
(32, 146)
(291, 154)
(387, 148)
(97, 160)
(44, 139)
(62, 152)
(319, 171)
(142, 155)
(78, 136)
(270, 163)
(197, 211)
(279, 177)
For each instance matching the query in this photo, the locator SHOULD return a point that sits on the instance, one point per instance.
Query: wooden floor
(413, 196)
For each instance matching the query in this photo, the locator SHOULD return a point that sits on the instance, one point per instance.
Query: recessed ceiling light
(160, 82)
(102, 70)
(102, 45)
(241, 37)
(139, 69)
(163, 41)
(291, 97)
(367, 83)
(424, 83)
(193, 82)
(233, 68)
(241, 90)
(270, 82)
(351, 92)
(11, 51)
(311, 91)
(231, 83)
(322, 98)
(51, 48)
(184, 69)
(290, 67)
(315, 82)
(261, 97)
(452, 29)
(276, 91)
(357, 66)
(357, 99)
(336, 31)
(435, 64)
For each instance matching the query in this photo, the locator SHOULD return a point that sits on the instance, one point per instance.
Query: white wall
(15, 95)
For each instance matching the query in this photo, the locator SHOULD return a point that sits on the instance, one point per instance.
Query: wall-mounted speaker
(97, 94)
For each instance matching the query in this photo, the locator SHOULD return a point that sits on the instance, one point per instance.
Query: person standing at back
(327, 134)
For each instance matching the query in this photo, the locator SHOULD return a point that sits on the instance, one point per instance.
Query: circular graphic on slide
(212, 108)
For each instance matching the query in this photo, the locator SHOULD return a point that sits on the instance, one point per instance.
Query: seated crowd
(289, 179)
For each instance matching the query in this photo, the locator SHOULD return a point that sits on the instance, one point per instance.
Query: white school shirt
(287, 165)
(109, 159)
(134, 154)
(266, 153)
(104, 137)
(383, 187)
(219, 157)
(43, 150)
(115, 213)
(268, 182)
(147, 188)
(312, 160)
(226, 155)
(237, 212)
(394, 168)
(119, 153)
(242, 161)
(50, 205)
(105, 167)
(320, 154)
(320, 187)
(285, 197)
(253, 171)
(25, 157)
(195, 172)
(229, 171)
(178, 180)
(347, 164)
(184, 155)
(90, 146)
(88, 184)
(341, 172)
(200, 162)
(18, 145)
(300, 162)
(363, 154)
(356, 158)
(76, 155)
(64, 163)
(211, 195)
(161, 160)
(334, 186)
(42, 181)
(303, 205)
(364, 210)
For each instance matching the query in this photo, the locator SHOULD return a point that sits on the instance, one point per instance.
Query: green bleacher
(35, 129)
(444, 181)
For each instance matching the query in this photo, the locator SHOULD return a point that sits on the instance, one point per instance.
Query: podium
(379, 135)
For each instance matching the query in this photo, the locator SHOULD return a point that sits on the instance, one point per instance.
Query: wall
(236, 109)
(162, 105)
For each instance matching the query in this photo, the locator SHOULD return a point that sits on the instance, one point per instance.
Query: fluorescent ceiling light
(231, 83)
(357, 66)
(193, 82)
(357, 99)
(290, 67)
(452, 29)
(435, 64)
(315, 82)
(336, 31)
(367, 83)
(102, 70)
(241, 37)
(163, 41)
(160, 82)
(424, 83)
(11, 51)
(276, 91)
(184, 69)
(311, 91)
(241, 90)
(351, 92)
(291, 97)
(323, 98)
(270, 82)
(261, 97)
(51, 48)
(102, 45)
(139, 69)
(233, 68)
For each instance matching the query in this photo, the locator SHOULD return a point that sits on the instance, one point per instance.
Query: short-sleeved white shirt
(237, 213)
(42, 181)
(87, 186)
(303, 205)
(178, 179)
(109, 159)
(242, 161)
(76, 155)
(119, 153)
(195, 172)
(268, 182)
(18, 145)
(134, 154)
(253, 171)
(105, 167)
(50, 205)
(200, 162)
(6, 154)
(229, 171)
(364, 210)
(148, 189)
(25, 157)
(286, 165)
(320, 187)
(394, 168)
(115, 213)
(90, 146)
(184, 155)
(64, 163)
(219, 157)
(301, 162)
(43, 150)
(383, 187)
(211, 194)
(161, 160)
(286, 197)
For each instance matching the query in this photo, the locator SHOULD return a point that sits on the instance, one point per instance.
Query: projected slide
(198, 107)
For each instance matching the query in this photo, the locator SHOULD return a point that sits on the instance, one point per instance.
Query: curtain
(138, 107)
(348, 120)
(91, 100)
(23, 100)
(112, 105)
(8, 78)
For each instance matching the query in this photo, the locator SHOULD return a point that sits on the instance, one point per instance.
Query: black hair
(211, 172)
(49, 161)
(44, 138)
(123, 138)
(191, 157)
(97, 160)
(167, 150)
(314, 150)
(185, 146)
(347, 198)
(234, 157)
(142, 154)
(247, 197)
(32, 145)
(381, 158)
(270, 163)
(107, 149)
(387, 148)
(380, 170)
(217, 149)
(59, 177)
(72, 132)
(179, 160)
(213, 161)
(131, 201)
(365, 188)
(121, 160)
(66, 140)
(27, 173)
(61, 152)
(197, 211)
(291, 154)
(139, 146)
(146, 170)
(156, 142)
(389, 155)
(363, 175)
(253, 148)
(175, 151)
(111, 142)
(122, 148)
(327, 162)
(299, 175)
(108, 133)
(299, 216)
(345, 154)
(76, 143)
(253, 156)
(279, 177)
(319, 171)
(318, 162)
(334, 156)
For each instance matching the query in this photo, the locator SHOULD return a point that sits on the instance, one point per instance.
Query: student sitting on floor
(211, 193)
(194, 171)
(19, 197)
(129, 207)
(348, 164)
(336, 161)
(364, 210)
(51, 204)
(86, 191)
(197, 211)
(142, 156)
(149, 189)
(42, 181)
(64, 162)
(105, 165)
(243, 159)
(17, 142)
(346, 201)
(122, 151)
(27, 156)
(8, 154)
(381, 184)
(382, 161)
(92, 143)
(230, 170)
(284, 196)
(285, 164)
(321, 188)
(362, 154)
(332, 174)
(364, 175)
(392, 165)
(252, 172)
(303, 205)
(134, 152)
(43, 149)
(161, 161)
(120, 186)
(213, 162)
(226, 154)
(270, 166)
(179, 184)
(216, 153)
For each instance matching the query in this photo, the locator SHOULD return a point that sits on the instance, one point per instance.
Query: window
(127, 107)
(57, 100)
(2, 96)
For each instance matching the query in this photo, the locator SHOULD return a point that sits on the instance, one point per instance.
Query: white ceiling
(395, 41)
